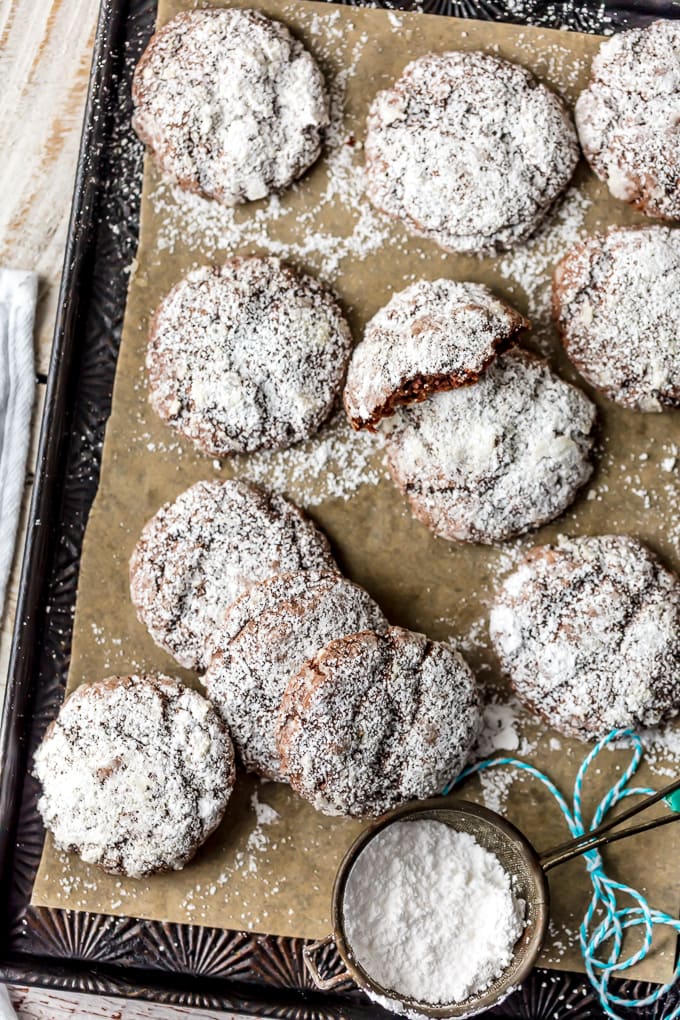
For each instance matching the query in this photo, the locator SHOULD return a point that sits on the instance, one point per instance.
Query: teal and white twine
(602, 929)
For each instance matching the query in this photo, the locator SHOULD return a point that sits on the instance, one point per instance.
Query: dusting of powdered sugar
(588, 631)
(617, 301)
(374, 720)
(264, 639)
(434, 335)
(246, 355)
(421, 896)
(315, 234)
(485, 462)
(231, 104)
(200, 552)
(332, 465)
(443, 156)
(136, 773)
(627, 118)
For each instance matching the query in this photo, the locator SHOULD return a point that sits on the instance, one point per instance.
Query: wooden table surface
(45, 52)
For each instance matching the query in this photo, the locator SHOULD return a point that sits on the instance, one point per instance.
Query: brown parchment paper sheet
(276, 877)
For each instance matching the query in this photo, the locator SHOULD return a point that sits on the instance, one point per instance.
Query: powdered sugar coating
(434, 335)
(421, 895)
(247, 355)
(470, 150)
(489, 461)
(266, 637)
(616, 300)
(136, 773)
(374, 720)
(231, 105)
(200, 552)
(589, 633)
(628, 118)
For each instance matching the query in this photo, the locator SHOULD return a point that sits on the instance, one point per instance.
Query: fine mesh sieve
(518, 858)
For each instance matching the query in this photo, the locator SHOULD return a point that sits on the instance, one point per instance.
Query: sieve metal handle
(309, 953)
(603, 834)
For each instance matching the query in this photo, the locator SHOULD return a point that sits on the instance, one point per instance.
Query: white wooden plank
(38, 1004)
(45, 52)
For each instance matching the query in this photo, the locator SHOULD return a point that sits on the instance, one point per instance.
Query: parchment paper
(273, 873)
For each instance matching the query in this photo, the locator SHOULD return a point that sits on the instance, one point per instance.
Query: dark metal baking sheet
(179, 964)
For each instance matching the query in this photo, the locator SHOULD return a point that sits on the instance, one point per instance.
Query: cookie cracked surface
(246, 356)
(588, 631)
(489, 461)
(374, 720)
(628, 118)
(265, 638)
(469, 150)
(616, 301)
(200, 552)
(230, 103)
(136, 773)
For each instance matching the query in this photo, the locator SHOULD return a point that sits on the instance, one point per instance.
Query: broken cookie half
(433, 336)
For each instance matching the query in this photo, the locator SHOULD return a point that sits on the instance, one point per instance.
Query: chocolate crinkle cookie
(628, 118)
(469, 150)
(616, 300)
(200, 552)
(589, 633)
(485, 462)
(230, 103)
(265, 638)
(136, 772)
(246, 356)
(435, 335)
(374, 720)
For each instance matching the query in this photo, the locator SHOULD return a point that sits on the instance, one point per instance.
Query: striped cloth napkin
(18, 294)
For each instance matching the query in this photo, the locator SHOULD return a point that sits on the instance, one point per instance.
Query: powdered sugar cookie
(432, 336)
(628, 118)
(589, 633)
(489, 461)
(266, 637)
(230, 104)
(246, 355)
(374, 720)
(136, 772)
(200, 552)
(469, 150)
(616, 300)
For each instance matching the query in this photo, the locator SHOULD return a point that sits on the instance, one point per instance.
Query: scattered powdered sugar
(332, 465)
(574, 15)
(500, 729)
(531, 265)
(258, 841)
(508, 729)
(264, 813)
(662, 748)
(430, 914)
(314, 234)
(431, 336)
